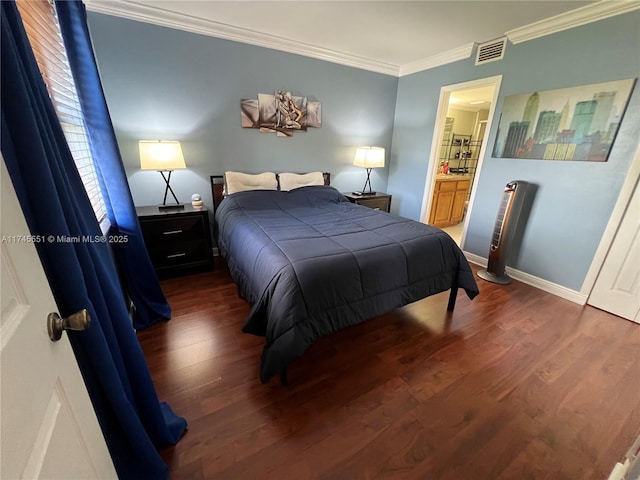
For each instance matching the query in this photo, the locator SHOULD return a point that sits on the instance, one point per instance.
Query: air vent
(491, 51)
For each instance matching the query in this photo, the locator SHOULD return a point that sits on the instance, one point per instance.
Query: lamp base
(363, 194)
(175, 206)
(171, 206)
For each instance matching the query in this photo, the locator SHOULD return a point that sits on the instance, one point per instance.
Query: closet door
(617, 288)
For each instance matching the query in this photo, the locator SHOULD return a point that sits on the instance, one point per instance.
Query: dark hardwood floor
(516, 384)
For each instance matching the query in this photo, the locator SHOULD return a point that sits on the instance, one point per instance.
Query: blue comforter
(310, 262)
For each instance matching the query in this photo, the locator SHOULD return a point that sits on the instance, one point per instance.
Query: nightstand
(178, 240)
(378, 201)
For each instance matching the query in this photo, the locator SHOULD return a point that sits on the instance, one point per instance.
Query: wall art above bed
(281, 113)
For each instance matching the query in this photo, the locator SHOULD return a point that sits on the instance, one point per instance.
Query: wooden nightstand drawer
(375, 203)
(176, 245)
(177, 253)
(172, 230)
(178, 241)
(378, 201)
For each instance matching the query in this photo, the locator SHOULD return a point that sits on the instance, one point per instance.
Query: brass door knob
(77, 321)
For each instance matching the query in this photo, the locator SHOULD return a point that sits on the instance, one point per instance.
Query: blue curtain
(134, 264)
(82, 274)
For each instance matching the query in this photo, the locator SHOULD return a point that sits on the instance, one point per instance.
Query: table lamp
(368, 157)
(163, 156)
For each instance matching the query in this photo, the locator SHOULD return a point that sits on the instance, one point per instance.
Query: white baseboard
(619, 471)
(545, 285)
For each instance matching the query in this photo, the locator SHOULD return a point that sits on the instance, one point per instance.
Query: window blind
(41, 23)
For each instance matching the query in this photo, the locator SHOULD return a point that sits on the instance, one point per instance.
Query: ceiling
(388, 36)
(472, 99)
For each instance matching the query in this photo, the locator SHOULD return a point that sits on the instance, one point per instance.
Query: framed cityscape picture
(578, 123)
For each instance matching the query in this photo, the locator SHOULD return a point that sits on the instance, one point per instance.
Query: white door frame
(632, 177)
(432, 168)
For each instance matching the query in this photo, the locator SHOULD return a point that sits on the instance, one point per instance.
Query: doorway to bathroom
(465, 111)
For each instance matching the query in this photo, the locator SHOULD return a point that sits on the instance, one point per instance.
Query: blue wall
(169, 84)
(574, 200)
(162, 83)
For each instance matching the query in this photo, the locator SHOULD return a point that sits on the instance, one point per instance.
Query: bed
(309, 263)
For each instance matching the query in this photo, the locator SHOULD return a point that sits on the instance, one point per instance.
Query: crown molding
(165, 18)
(162, 17)
(574, 18)
(443, 58)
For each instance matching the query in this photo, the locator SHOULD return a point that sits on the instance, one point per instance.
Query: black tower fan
(503, 232)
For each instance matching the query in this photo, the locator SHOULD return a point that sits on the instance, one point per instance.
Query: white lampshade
(369, 157)
(160, 155)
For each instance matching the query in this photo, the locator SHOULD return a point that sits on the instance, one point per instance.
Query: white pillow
(239, 182)
(289, 181)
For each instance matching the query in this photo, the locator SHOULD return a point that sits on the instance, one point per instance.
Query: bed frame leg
(283, 377)
(452, 298)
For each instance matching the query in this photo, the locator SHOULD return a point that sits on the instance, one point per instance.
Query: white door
(48, 427)
(617, 288)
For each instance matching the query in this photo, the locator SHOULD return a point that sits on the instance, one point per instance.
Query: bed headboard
(217, 187)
